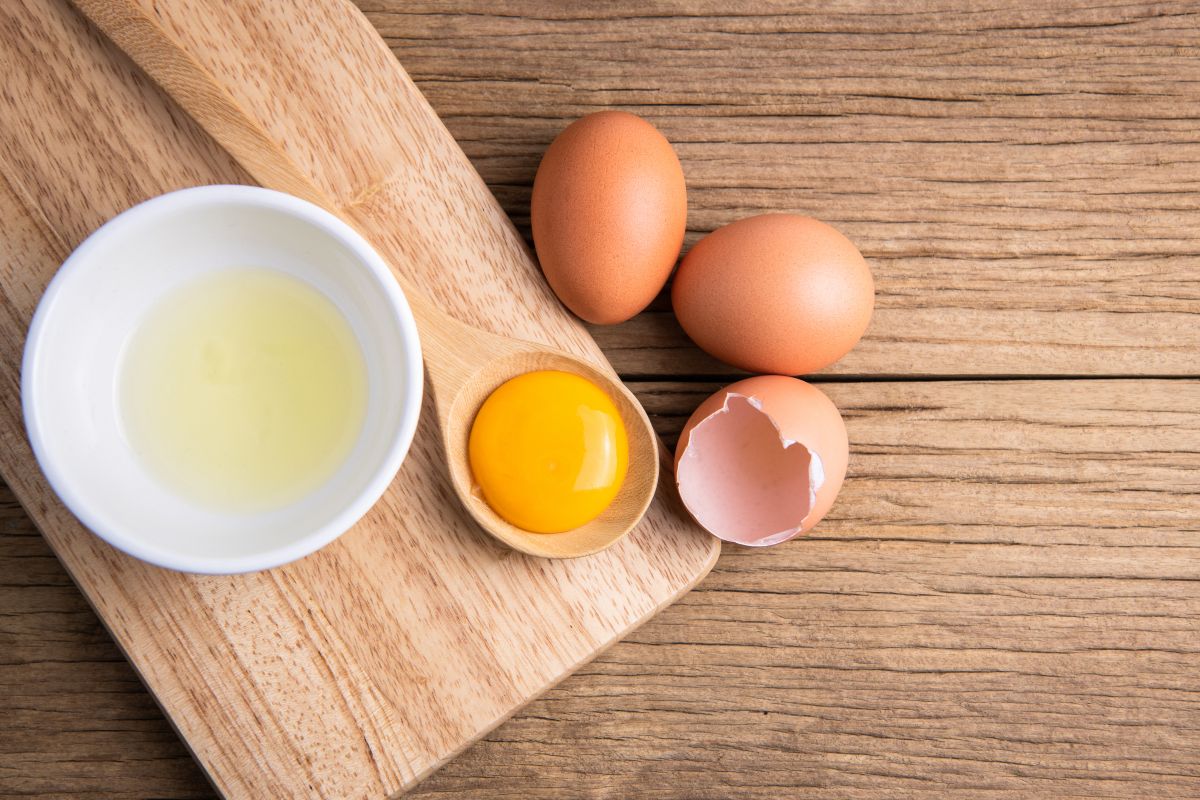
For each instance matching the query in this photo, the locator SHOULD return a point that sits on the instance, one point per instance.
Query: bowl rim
(180, 201)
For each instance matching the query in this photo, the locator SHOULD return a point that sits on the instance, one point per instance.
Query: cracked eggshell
(762, 460)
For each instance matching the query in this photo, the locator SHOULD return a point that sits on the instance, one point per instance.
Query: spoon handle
(464, 364)
(452, 349)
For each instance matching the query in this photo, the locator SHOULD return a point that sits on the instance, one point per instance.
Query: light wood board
(354, 672)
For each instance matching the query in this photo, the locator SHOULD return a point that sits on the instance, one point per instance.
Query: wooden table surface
(1005, 601)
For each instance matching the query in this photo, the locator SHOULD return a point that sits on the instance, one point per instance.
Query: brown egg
(762, 460)
(776, 293)
(609, 211)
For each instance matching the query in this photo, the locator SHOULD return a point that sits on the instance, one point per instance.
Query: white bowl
(98, 299)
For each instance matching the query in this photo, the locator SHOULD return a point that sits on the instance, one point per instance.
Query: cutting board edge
(112, 635)
(21, 490)
(706, 568)
(66, 561)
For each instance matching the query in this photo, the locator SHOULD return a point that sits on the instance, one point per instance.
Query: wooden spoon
(464, 364)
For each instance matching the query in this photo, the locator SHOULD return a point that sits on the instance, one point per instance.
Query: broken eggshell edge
(761, 461)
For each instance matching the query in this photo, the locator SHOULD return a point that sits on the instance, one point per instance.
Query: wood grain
(1021, 177)
(1002, 604)
(358, 670)
(463, 364)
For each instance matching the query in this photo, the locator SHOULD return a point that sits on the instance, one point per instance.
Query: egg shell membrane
(742, 480)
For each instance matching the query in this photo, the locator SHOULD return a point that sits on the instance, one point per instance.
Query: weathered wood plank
(1022, 178)
(1003, 603)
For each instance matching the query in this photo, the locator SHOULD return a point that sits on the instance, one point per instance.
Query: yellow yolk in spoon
(548, 450)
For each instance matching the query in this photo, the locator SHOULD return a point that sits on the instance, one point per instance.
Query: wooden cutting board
(355, 672)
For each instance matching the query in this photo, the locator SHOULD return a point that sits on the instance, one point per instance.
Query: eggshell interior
(742, 480)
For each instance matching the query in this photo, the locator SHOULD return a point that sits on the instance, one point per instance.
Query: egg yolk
(548, 450)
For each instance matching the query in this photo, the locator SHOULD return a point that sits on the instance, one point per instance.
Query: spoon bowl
(627, 507)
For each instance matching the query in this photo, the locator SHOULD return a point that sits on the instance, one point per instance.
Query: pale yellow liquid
(243, 390)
